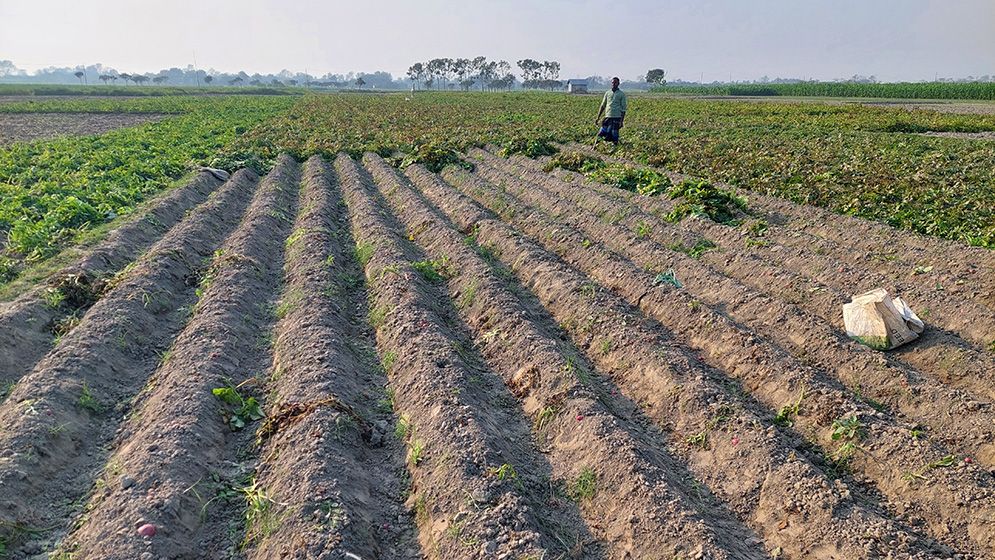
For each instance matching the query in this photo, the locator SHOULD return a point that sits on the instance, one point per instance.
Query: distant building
(577, 86)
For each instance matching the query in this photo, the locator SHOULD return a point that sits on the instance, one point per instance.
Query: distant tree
(254, 82)
(289, 82)
(550, 70)
(275, 82)
(79, 76)
(531, 69)
(656, 76)
(139, 79)
(159, 79)
(106, 78)
(416, 72)
(438, 68)
(208, 79)
(360, 82)
(126, 77)
(235, 81)
(486, 73)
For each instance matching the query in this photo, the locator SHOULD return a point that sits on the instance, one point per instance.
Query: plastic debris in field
(880, 321)
(219, 174)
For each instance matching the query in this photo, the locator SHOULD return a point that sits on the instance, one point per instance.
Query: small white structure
(577, 86)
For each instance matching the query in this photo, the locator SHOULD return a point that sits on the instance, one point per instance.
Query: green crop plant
(240, 409)
(528, 147)
(701, 198)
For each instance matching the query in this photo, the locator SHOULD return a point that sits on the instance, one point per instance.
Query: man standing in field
(613, 108)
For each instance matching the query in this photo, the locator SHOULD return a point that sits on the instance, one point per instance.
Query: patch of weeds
(364, 252)
(585, 486)
(403, 429)
(704, 199)
(695, 251)
(386, 404)
(606, 346)
(847, 428)
(261, 520)
(589, 290)
(332, 513)
(290, 301)
(63, 326)
(240, 410)
(643, 229)
(757, 228)
(544, 418)
(699, 440)
(421, 509)
(416, 451)
(848, 431)
(388, 360)
(435, 270)
(468, 296)
(88, 402)
(53, 297)
(641, 180)
(784, 416)
(378, 316)
(504, 472)
(582, 374)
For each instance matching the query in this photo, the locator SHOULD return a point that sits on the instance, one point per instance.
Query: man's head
(615, 83)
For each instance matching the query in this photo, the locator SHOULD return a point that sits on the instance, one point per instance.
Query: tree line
(465, 73)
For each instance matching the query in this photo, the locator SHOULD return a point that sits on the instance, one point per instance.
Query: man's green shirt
(614, 103)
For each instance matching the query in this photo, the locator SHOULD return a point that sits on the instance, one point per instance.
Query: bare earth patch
(988, 135)
(24, 127)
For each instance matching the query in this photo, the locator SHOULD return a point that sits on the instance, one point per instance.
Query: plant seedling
(585, 487)
(241, 410)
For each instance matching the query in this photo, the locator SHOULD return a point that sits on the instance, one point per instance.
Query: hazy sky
(716, 39)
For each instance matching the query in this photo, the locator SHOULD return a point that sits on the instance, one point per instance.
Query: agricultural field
(399, 332)
(924, 90)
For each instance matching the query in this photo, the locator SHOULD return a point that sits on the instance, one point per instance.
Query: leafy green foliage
(574, 161)
(701, 198)
(52, 191)
(585, 486)
(240, 410)
(435, 156)
(642, 180)
(528, 147)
